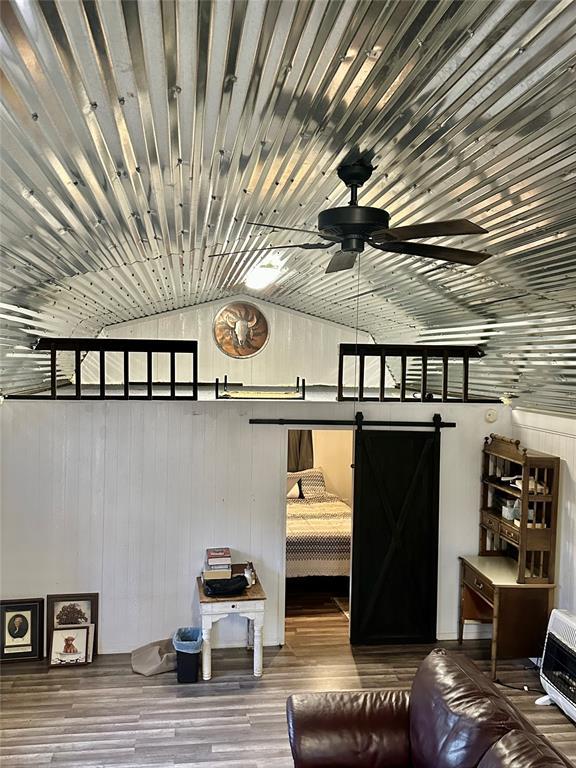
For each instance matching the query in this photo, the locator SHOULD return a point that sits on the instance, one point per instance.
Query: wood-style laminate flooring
(104, 715)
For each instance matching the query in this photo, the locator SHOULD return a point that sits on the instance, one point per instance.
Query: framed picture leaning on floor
(79, 609)
(22, 629)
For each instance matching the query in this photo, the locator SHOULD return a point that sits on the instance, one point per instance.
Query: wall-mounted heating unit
(558, 670)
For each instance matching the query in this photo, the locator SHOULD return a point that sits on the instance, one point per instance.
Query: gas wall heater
(558, 671)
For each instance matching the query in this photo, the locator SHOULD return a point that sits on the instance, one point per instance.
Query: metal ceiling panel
(139, 137)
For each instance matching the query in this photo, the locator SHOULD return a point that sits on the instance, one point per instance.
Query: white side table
(250, 605)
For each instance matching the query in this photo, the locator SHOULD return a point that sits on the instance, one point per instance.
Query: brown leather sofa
(453, 717)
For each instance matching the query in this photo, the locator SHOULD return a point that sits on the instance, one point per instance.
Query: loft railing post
(195, 372)
(445, 375)
(466, 363)
(149, 374)
(53, 371)
(424, 377)
(403, 373)
(382, 377)
(340, 394)
(361, 377)
(77, 372)
(126, 373)
(102, 355)
(172, 375)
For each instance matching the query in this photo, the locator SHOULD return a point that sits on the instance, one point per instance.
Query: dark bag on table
(225, 587)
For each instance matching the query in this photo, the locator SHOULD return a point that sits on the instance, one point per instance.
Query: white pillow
(294, 492)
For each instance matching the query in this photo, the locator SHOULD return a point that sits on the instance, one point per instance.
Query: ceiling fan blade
(341, 261)
(307, 246)
(429, 229)
(292, 229)
(453, 255)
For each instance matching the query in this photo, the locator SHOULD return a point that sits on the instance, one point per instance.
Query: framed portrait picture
(73, 610)
(69, 646)
(22, 628)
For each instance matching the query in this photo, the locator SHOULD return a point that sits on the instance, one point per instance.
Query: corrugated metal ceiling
(138, 137)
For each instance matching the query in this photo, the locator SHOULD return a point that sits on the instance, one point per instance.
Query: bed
(318, 533)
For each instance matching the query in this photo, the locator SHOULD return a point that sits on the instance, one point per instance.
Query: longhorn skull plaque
(240, 330)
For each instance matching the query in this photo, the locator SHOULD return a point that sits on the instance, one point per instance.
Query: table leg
(258, 627)
(206, 650)
(250, 634)
(461, 607)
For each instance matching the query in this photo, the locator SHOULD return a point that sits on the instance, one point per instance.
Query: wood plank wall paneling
(557, 435)
(123, 498)
(299, 345)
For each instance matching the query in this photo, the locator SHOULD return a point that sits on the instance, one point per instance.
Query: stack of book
(218, 563)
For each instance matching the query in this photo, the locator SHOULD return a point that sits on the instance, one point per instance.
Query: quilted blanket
(318, 537)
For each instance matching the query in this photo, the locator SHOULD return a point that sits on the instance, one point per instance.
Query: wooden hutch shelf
(530, 538)
(510, 583)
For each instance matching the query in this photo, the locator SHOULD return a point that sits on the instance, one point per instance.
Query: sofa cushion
(355, 729)
(519, 749)
(456, 713)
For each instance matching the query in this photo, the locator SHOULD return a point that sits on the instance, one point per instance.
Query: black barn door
(395, 537)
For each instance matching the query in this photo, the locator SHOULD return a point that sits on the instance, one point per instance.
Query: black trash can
(187, 642)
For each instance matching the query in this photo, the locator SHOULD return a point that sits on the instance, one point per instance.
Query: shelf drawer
(490, 522)
(478, 583)
(231, 606)
(510, 533)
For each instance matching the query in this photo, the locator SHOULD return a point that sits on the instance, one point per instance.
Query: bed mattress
(318, 537)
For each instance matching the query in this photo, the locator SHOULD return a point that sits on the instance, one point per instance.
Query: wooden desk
(518, 613)
(250, 605)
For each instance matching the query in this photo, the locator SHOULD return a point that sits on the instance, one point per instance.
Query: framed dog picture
(73, 610)
(69, 646)
(22, 629)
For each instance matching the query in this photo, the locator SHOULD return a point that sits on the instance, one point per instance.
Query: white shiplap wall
(556, 435)
(122, 498)
(299, 345)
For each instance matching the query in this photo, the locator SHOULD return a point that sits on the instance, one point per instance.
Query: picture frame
(73, 609)
(69, 645)
(22, 629)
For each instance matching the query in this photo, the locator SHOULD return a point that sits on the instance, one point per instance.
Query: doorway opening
(319, 500)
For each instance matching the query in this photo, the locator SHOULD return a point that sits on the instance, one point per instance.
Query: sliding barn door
(395, 537)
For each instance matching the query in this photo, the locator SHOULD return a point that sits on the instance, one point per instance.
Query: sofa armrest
(343, 729)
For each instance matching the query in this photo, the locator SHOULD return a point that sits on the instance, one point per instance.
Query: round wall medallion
(240, 330)
(491, 415)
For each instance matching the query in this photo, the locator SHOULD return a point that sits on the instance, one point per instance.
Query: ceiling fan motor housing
(352, 225)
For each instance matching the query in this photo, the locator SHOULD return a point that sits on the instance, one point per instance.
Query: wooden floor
(104, 715)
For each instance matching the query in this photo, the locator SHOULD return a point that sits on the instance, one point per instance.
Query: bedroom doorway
(319, 499)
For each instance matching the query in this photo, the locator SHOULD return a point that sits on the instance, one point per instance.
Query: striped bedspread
(318, 537)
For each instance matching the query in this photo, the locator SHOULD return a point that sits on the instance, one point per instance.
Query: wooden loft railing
(403, 354)
(80, 346)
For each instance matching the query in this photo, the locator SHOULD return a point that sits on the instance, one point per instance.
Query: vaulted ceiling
(139, 137)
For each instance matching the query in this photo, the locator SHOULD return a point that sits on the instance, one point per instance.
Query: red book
(218, 556)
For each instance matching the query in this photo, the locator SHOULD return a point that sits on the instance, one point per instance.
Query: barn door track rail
(359, 422)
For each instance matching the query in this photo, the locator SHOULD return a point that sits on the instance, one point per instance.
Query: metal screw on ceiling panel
(122, 100)
(34, 116)
(93, 105)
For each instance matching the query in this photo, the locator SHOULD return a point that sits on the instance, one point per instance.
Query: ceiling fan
(355, 226)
